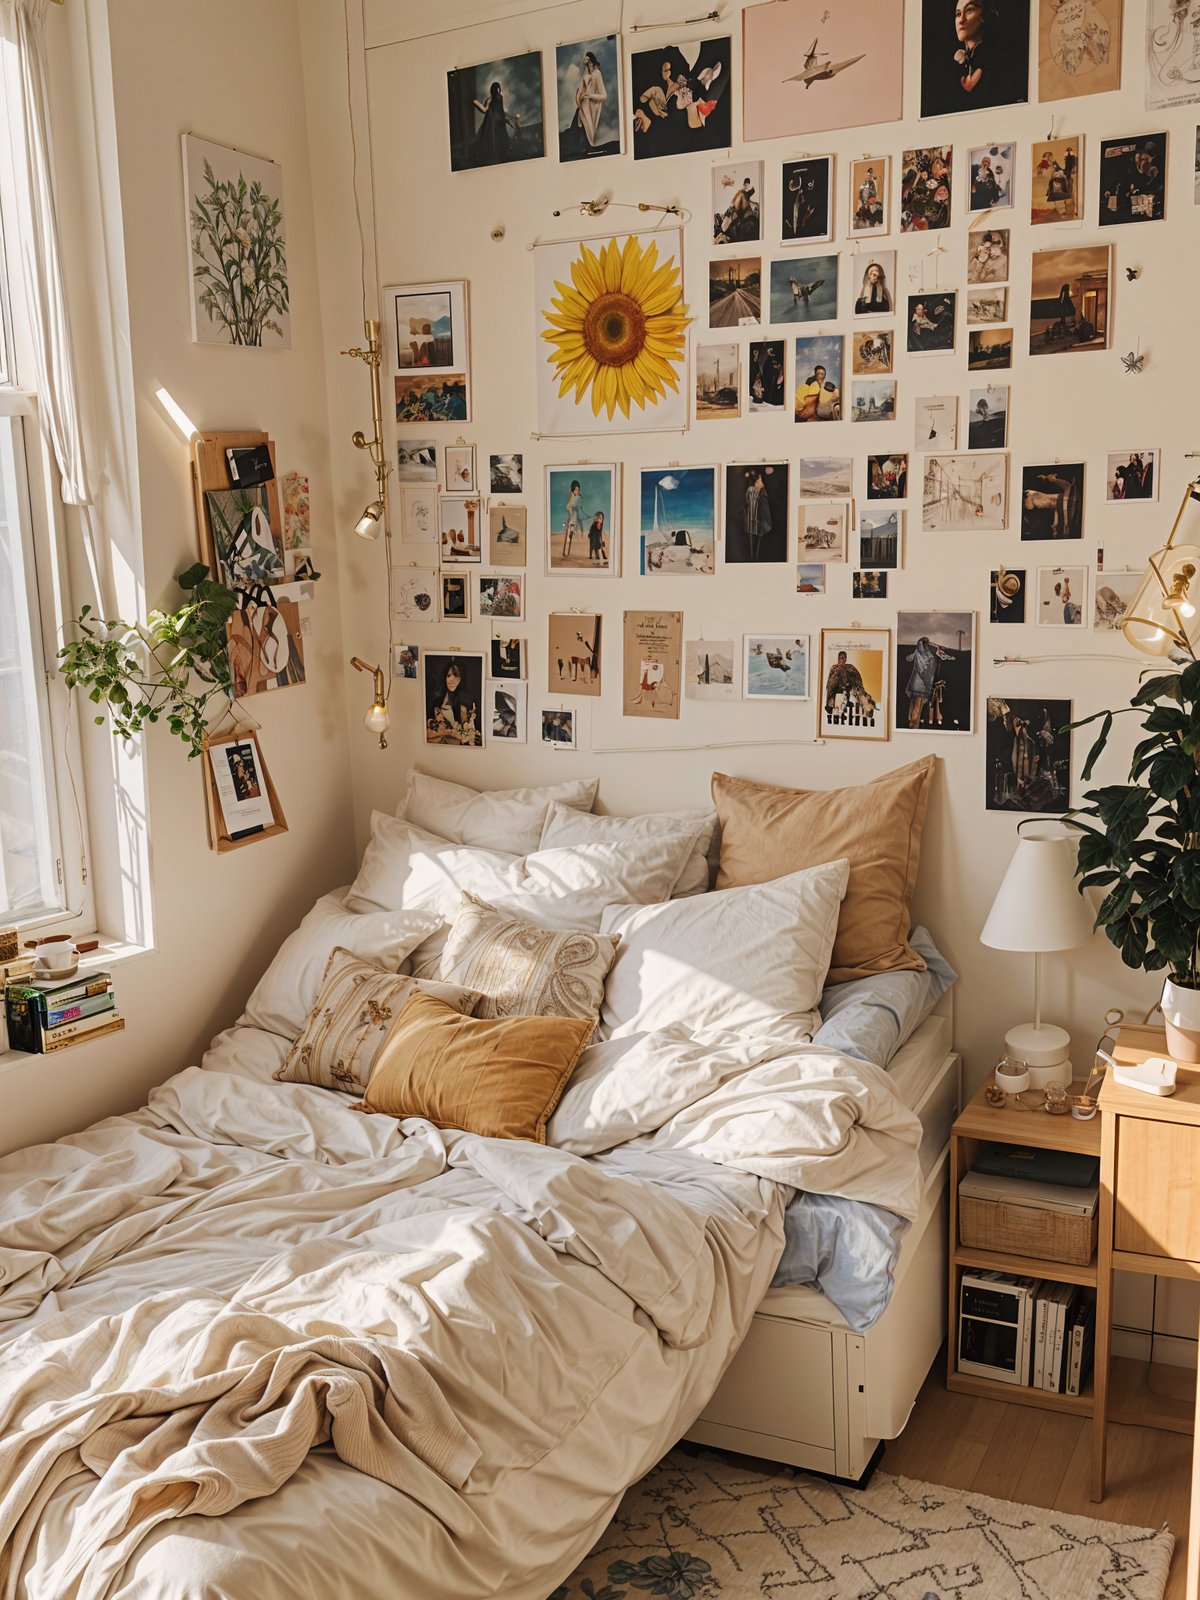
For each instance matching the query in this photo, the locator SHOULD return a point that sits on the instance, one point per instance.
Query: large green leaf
(1174, 933)
(1189, 682)
(1171, 771)
(1165, 686)
(1131, 938)
(1098, 747)
(1114, 905)
(1124, 809)
(1185, 873)
(1167, 719)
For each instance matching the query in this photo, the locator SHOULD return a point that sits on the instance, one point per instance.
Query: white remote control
(1155, 1075)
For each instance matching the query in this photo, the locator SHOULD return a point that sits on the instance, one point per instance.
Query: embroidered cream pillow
(354, 1013)
(520, 969)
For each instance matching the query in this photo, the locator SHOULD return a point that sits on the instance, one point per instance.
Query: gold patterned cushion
(356, 1008)
(520, 969)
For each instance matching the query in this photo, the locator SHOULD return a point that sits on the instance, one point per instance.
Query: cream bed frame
(804, 1388)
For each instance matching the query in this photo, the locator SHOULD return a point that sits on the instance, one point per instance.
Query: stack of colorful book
(49, 1015)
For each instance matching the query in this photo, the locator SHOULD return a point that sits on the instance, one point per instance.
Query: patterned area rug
(703, 1525)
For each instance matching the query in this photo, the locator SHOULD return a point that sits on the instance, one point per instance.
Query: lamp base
(1046, 1051)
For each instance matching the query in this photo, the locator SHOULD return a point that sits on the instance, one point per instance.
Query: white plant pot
(1181, 1015)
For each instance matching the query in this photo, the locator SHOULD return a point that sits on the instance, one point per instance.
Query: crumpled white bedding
(568, 1316)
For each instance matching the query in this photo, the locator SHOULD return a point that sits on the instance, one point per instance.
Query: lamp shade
(1164, 614)
(1037, 907)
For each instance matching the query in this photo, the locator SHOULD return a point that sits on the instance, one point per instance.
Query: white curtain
(58, 398)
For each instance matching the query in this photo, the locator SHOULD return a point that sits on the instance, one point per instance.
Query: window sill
(109, 953)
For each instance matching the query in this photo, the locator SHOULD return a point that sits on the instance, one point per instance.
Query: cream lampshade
(1039, 909)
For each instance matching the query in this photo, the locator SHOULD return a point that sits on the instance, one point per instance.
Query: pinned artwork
(1062, 597)
(502, 596)
(507, 658)
(821, 530)
(1133, 179)
(454, 699)
(418, 513)
(1131, 475)
(1172, 70)
(246, 542)
(612, 335)
(810, 65)
(1113, 598)
(776, 667)
(766, 388)
(974, 55)
(986, 305)
(810, 577)
(507, 536)
(870, 196)
(926, 188)
(426, 343)
(734, 292)
(297, 512)
(987, 417)
(874, 295)
(456, 597)
(1007, 597)
(936, 423)
(965, 493)
(873, 400)
(682, 98)
(1079, 48)
(879, 539)
(652, 674)
(678, 510)
(807, 189)
(573, 653)
(887, 476)
(459, 462)
(991, 169)
(855, 683)
(1052, 501)
(869, 586)
(461, 520)
(737, 203)
(588, 81)
(871, 352)
(825, 477)
(987, 256)
(506, 711)
(819, 378)
(1028, 755)
(559, 729)
(406, 662)
(931, 320)
(1055, 180)
(1069, 300)
(756, 513)
(415, 592)
(804, 289)
(238, 258)
(506, 474)
(416, 461)
(709, 669)
(496, 112)
(718, 382)
(582, 536)
(266, 646)
(935, 671)
(989, 349)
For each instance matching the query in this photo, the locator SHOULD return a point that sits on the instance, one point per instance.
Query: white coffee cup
(56, 958)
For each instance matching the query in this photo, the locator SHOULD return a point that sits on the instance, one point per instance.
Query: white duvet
(256, 1346)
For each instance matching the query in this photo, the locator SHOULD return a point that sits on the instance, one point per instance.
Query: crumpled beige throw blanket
(194, 1404)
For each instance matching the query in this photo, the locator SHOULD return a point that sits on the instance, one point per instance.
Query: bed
(255, 1343)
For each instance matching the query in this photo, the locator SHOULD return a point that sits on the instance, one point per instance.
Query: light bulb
(370, 524)
(1186, 608)
(377, 718)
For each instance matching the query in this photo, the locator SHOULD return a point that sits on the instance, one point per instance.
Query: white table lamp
(1039, 909)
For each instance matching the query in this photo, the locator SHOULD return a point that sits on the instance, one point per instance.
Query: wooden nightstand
(978, 1124)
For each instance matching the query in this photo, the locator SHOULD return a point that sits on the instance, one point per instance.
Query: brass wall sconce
(377, 718)
(371, 524)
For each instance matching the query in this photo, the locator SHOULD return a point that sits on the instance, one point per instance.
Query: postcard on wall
(756, 513)
(502, 596)
(682, 98)
(456, 597)
(507, 658)
(989, 349)
(425, 398)
(1172, 70)
(1028, 755)
(418, 513)
(734, 291)
(558, 728)
(871, 352)
(873, 295)
(819, 378)
(454, 698)
(573, 653)
(880, 539)
(1131, 475)
(1052, 501)
(609, 318)
(887, 476)
(507, 536)
(1007, 595)
(987, 417)
(776, 667)
(1061, 596)
(710, 669)
(737, 192)
(416, 461)
(1069, 300)
(804, 289)
(239, 778)
(973, 56)
(987, 256)
(1056, 179)
(936, 423)
(821, 530)
(810, 66)
(807, 188)
(238, 251)
(406, 662)
(678, 521)
(718, 382)
(931, 320)
(506, 474)
(496, 112)
(926, 188)
(652, 674)
(459, 463)
(825, 477)
(588, 81)
(991, 168)
(415, 593)
(247, 544)
(266, 647)
(1079, 47)
(855, 683)
(873, 400)
(1133, 179)
(935, 672)
(870, 197)
(987, 305)
(965, 493)
(582, 535)
(766, 389)
(1114, 596)
(506, 711)
(868, 585)
(297, 511)
(810, 577)
(461, 520)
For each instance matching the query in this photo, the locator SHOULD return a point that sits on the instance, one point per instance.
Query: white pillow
(746, 960)
(651, 834)
(502, 819)
(288, 989)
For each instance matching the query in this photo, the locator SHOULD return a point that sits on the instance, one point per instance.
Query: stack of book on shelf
(52, 1014)
(1028, 1331)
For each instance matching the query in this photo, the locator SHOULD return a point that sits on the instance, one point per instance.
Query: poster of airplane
(812, 65)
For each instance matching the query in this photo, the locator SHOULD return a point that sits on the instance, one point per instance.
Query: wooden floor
(1044, 1459)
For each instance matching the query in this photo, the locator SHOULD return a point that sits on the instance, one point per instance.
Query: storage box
(1021, 1218)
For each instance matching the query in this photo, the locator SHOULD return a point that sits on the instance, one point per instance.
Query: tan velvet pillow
(501, 1076)
(768, 831)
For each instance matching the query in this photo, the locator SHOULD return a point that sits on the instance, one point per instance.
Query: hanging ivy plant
(167, 668)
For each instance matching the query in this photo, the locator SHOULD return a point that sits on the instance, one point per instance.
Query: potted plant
(1141, 846)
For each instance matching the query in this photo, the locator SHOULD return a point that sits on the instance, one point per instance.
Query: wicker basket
(1017, 1230)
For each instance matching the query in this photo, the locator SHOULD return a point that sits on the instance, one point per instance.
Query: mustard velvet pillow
(500, 1077)
(768, 831)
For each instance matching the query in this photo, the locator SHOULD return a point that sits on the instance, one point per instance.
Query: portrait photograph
(991, 168)
(756, 513)
(582, 536)
(1052, 501)
(871, 353)
(461, 521)
(775, 667)
(456, 597)
(737, 202)
(819, 378)
(810, 577)
(1131, 475)
(734, 291)
(1079, 48)
(678, 521)
(507, 658)
(406, 662)
(931, 319)
(879, 536)
(987, 305)
(987, 256)
(454, 703)
(589, 99)
(935, 425)
(926, 188)
(887, 476)
(558, 728)
(507, 536)
(987, 417)
(1006, 600)
(1061, 597)
(825, 477)
(873, 400)
(506, 474)
(416, 461)
(1113, 597)
(1055, 179)
(965, 492)
(974, 55)
(502, 596)
(1069, 300)
(854, 683)
(710, 669)
(870, 197)
(1133, 179)
(873, 293)
(682, 98)
(804, 289)
(718, 382)
(766, 389)
(573, 653)
(806, 187)
(989, 349)
(1028, 755)
(935, 671)
(809, 66)
(821, 531)
(507, 709)
(868, 586)
(496, 112)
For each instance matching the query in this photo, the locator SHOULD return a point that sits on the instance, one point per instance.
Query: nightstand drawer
(1156, 1210)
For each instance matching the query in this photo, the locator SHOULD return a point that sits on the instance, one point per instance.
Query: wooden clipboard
(219, 836)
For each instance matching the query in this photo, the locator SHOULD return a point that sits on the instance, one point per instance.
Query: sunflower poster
(612, 335)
